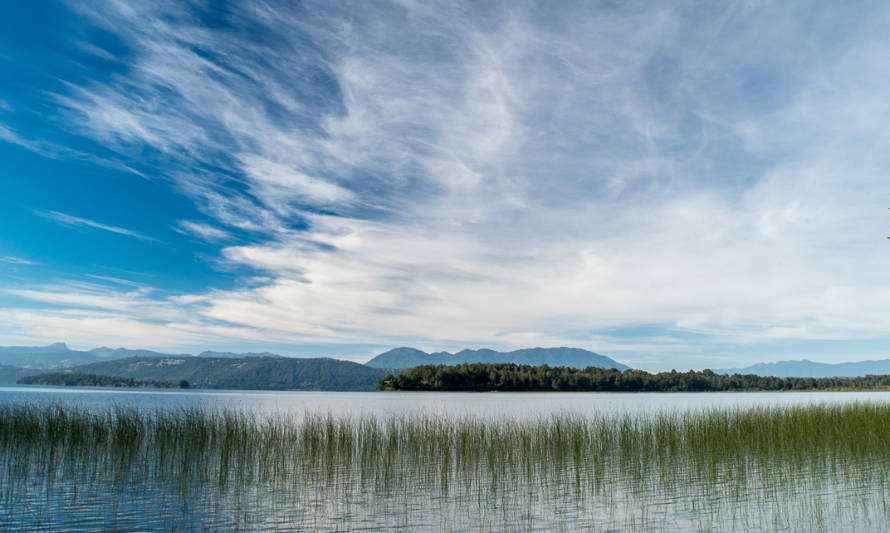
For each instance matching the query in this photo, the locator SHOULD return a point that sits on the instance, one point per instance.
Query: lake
(251, 460)
(455, 403)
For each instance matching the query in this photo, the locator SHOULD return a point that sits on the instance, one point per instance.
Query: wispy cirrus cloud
(514, 174)
(71, 220)
(116, 281)
(57, 151)
(204, 231)
(13, 260)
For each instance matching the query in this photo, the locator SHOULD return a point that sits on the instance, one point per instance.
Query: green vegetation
(806, 468)
(255, 373)
(481, 377)
(96, 380)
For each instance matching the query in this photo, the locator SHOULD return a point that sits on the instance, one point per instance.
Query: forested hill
(257, 373)
(510, 377)
(572, 357)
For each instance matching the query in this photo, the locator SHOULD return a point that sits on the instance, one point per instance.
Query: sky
(672, 184)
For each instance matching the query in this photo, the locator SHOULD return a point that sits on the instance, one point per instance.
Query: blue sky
(675, 185)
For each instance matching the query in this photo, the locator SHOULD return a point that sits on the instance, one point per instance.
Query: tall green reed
(703, 458)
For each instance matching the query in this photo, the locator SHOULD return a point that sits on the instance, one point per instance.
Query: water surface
(570, 461)
(453, 403)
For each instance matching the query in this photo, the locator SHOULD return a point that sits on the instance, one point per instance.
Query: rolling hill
(256, 373)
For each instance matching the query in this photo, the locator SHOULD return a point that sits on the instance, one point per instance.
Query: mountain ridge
(406, 357)
(56, 355)
(59, 355)
(804, 368)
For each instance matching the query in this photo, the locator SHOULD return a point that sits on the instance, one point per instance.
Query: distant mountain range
(58, 355)
(53, 356)
(272, 371)
(811, 369)
(573, 357)
(264, 370)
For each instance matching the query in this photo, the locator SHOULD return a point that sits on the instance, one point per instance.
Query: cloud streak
(71, 220)
(12, 260)
(57, 151)
(204, 231)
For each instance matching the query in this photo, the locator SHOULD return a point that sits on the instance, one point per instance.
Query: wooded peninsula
(508, 377)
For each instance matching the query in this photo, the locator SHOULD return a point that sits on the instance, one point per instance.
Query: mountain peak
(573, 357)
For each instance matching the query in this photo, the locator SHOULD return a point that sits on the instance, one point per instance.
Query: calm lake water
(450, 403)
(417, 486)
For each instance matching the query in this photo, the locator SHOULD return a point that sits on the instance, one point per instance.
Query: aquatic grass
(708, 463)
(847, 431)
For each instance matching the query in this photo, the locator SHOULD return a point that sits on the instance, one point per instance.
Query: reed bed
(707, 469)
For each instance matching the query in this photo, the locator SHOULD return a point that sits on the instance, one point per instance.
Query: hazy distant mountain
(56, 355)
(232, 355)
(256, 373)
(120, 353)
(810, 369)
(11, 374)
(574, 357)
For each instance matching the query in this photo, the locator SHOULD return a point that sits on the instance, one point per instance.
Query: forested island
(96, 380)
(481, 377)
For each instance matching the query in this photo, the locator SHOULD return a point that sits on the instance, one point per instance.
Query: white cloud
(56, 151)
(280, 183)
(12, 260)
(518, 176)
(87, 314)
(70, 220)
(117, 281)
(204, 231)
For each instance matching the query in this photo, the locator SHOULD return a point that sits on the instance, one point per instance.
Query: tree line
(509, 377)
(97, 380)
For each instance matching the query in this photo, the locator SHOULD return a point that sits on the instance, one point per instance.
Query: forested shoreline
(508, 377)
(96, 380)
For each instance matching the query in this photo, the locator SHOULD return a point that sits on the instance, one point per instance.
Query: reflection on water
(441, 462)
(524, 404)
